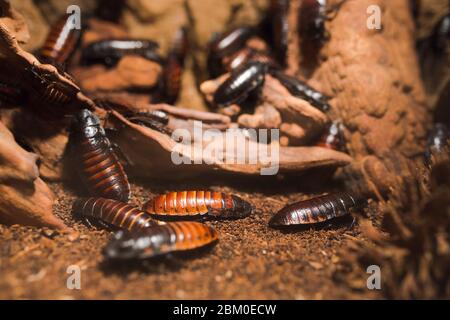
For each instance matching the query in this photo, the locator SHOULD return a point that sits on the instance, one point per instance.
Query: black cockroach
(280, 28)
(317, 210)
(109, 212)
(225, 45)
(231, 41)
(98, 165)
(246, 55)
(110, 51)
(174, 66)
(441, 34)
(159, 240)
(240, 84)
(333, 137)
(302, 90)
(191, 204)
(61, 42)
(312, 16)
(438, 142)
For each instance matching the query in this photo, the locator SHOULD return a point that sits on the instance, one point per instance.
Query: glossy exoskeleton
(333, 137)
(246, 55)
(159, 240)
(302, 90)
(225, 45)
(109, 52)
(96, 161)
(312, 16)
(192, 204)
(317, 210)
(50, 92)
(280, 28)
(438, 142)
(240, 84)
(174, 66)
(61, 42)
(109, 212)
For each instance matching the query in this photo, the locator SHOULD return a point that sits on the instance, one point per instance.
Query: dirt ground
(250, 261)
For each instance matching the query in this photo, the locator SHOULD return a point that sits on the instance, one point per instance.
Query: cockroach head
(85, 121)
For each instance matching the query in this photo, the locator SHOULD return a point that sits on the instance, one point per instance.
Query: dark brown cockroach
(174, 66)
(225, 45)
(108, 212)
(159, 240)
(156, 120)
(317, 210)
(240, 84)
(437, 144)
(97, 163)
(302, 90)
(312, 16)
(109, 52)
(9, 95)
(196, 204)
(61, 42)
(246, 55)
(441, 35)
(280, 28)
(50, 92)
(333, 137)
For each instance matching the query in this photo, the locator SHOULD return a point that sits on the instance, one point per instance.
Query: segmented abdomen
(113, 212)
(60, 42)
(103, 173)
(198, 203)
(160, 239)
(316, 210)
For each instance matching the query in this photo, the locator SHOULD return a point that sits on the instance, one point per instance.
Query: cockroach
(240, 84)
(280, 28)
(441, 34)
(49, 91)
(246, 55)
(109, 52)
(156, 120)
(317, 210)
(311, 26)
(225, 45)
(174, 66)
(109, 212)
(438, 142)
(61, 42)
(9, 95)
(333, 137)
(159, 240)
(231, 41)
(302, 90)
(98, 165)
(197, 204)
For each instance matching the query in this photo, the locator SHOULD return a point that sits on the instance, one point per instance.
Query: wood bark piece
(298, 121)
(24, 197)
(14, 22)
(149, 153)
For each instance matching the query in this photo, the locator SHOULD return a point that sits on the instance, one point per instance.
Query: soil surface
(250, 261)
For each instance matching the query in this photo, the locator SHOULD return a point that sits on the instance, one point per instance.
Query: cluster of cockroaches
(248, 64)
(164, 224)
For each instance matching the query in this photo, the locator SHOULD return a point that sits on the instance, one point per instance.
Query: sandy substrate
(251, 261)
